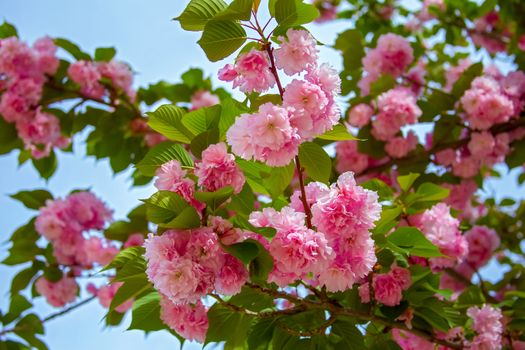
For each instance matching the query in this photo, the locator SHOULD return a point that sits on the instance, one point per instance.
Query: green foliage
(34, 199)
(169, 210)
(317, 163)
(222, 322)
(292, 13)
(167, 120)
(214, 200)
(161, 154)
(221, 38)
(7, 30)
(338, 133)
(146, 313)
(410, 241)
(198, 12)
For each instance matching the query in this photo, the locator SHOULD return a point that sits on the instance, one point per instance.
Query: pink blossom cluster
(251, 72)
(58, 293)
(346, 214)
(388, 287)
(482, 242)
(106, 293)
(430, 6)
(360, 115)
(348, 157)
(188, 320)
(399, 146)
(217, 169)
(88, 75)
(442, 229)
(487, 323)
(23, 73)
(392, 55)
(273, 134)
(460, 198)
(203, 98)
(66, 222)
(486, 31)
(327, 10)
(396, 108)
(186, 265)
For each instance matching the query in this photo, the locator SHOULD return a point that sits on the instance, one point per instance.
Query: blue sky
(157, 48)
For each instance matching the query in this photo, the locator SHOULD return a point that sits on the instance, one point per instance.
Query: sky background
(157, 48)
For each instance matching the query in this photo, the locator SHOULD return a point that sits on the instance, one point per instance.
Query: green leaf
(409, 240)
(231, 108)
(350, 336)
(24, 247)
(8, 137)
(278, 179)
(7, 30)
(245, 251)
(292, 13)
(17, 306)
(121, 230)
(32, 199)
(243, 203)
(124, 256)
(23, 278)
(463, 83)
(132, 287)
(383, 84)
(406, 181)
(252, 299)
(72, 49)
(350, 43)
(436, 103)
(202, 119)
(338, 133)
(237, 10)
(203, 141)
(213, 200)
(387, 220)
(167, 120)
(384, 191)
(168, 209)
(261, 334)
(105, 54)
(146, 313)
(316, 161)
(227, 325)
(198, 13)
(161, 154)
(46, 166)
(221, 38)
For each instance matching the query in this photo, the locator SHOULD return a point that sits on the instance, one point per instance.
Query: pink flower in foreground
(313, 191)
(189, 321)
(203, 98)
(88, 210)
(59, 293)
(218, 169)
(253, 72)
(231, 277)
(46, 55)
(360, 115)
(386, 290)
(297, 53)
(171, 177)
(228, 73)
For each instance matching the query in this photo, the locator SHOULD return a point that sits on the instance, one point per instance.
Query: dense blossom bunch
(274, 133)
(392, 55)
(23, 73)
(348, 157)
(487, 322)
(57, 293)
(63, 222)
(442, 229)
(387, 287)
(250, 73)
(88, 75)
(188, 320)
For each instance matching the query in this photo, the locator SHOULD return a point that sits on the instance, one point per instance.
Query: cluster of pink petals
(460, 198)
(63, 222)
(392, 55)
(486, 104)
(313, 191)
(430, 6)
(327, 10)
(217, 169)
(105, 295)
(203, 98)
(486, 31)
(297, 52)
(360, 115)
(400, 146)
(88, 74)
(408, 341)
(251, 72)
(348, 157)
(345, 214)
(186, 265)
(171, 177)
(188, 320)
(487, 322)
(397, 108)
(59, 293)
(442, 229)
(482, 242)
(296, 250)
(266, 136)
(388, 287)
(134, 240)
(25, 71)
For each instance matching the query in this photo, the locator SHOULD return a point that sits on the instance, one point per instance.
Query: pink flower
(364, 292)
(89, 211)
(96, 250)
(392, 55)
(47, 61)
(443, 231)
(189, 321)
(58, 293)
(397, 107)
(228, 73)
(521, 42)
(120, 75)
(218, 169)
(487, 322)
(172, 178)
(253, 72)
(485, 104)
(482, 242)
(203, 98)
(429, 6)
(466, 166)
(400, 147)
(481, 144)
(408, 341)
(347, 210)
(266, 136)
(296, 54)
(134, 240)
(360, 115)
(86, 74)
(386, 290)
(231, 277)
(348, 157)
(17, 60)
(313, 191)
(402, 276)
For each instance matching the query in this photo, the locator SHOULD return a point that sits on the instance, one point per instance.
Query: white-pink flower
(298, 52)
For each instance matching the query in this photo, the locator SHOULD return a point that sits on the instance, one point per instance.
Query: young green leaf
(221, 38)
